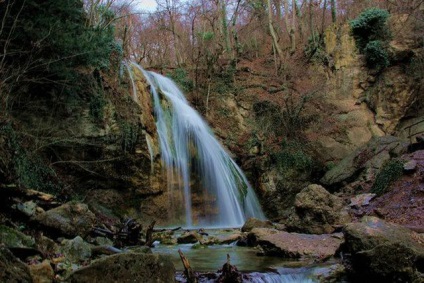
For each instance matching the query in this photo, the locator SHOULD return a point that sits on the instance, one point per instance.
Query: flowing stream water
(197, 165)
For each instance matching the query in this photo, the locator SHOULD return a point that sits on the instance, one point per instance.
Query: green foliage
(371, 34)
(390, 172)
(51, 39)
(293, 156)
(29, 169)
(180, 76)
(129, 136)
(207, 35)
(315, 51)
(370, 25)
(376, 55)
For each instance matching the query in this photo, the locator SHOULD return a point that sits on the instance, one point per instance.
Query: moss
(391, 171)
(14, 238)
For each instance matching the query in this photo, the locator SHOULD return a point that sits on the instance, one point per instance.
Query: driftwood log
(229, 273)
(188, 271)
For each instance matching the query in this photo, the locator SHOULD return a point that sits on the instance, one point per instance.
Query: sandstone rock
(189, 238)
(42, 272)
(146, 268)
(256, 223)
(293, 245)
(366, 160)
(384, 252)
(12, 270)
(316, 211)
(13, 238)
(70, 219)
(76, 249)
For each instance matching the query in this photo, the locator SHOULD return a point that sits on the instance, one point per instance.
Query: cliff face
(342, 105)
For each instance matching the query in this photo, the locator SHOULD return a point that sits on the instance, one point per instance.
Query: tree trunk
(333, 11)
(272, 31)
(293, 28)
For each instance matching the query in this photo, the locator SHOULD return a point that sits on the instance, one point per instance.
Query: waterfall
(200, 173)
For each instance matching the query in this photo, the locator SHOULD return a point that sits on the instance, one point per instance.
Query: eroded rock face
(317, 211)
(384, 252)
(14, 239)
(293, 245)
(130, 267)
(70, 219)
(12, 269)
(366, 160)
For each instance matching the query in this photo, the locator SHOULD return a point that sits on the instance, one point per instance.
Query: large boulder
(384, 252)
(293, 245)
(128, 267)
(365, 162)
(76, 249)
(256, 223)
(12, 269)
(69, 219)
(316, 211)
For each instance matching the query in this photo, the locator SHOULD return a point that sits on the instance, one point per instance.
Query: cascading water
(196, 163)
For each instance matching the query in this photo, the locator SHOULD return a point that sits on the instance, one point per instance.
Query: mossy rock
(15, 239)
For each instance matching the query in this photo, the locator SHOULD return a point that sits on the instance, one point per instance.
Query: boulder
(366, 160)
(14, 239)
(42, 272)
(383, 252)
(256, 223)
(12, 270)
(70, 219)
(294, 245)
(76, 249)
(316, 211)
(127, 267)
(189, 238)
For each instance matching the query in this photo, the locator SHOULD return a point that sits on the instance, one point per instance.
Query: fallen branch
(188, 272)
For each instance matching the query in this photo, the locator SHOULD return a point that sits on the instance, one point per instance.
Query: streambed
(208, 259)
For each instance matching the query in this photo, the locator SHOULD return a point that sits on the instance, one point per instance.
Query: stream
(208, 259)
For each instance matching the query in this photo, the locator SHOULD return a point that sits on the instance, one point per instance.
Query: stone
(76, 249)
(228, 239)
(28, 208)
(189, 238)
(42, 272)
(361, 200)
(256, 223)
(12, 270)
(410, 166)
(294, 245)
(14, 239)
(383, 252)
(70, 219)
(130, 267)
(316, 211)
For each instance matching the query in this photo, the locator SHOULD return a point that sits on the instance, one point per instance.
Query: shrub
(376, 55)
(390, 172)
(293, 156)
(370, 25)
(371, 34)
(180, 76)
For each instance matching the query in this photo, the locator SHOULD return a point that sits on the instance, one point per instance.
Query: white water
(189, 149)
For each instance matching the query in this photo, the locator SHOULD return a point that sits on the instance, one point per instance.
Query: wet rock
(294, 245)
(383, 252)
(13, 238)
(366, 160)
(331, 274)
(189, 238)
(256, 223)
(361, 200)
(124, 268)
(316, 211)
(12, 270)
(46, 245)
(229, 238)
(42, 272)
(76, 249)
(70, 219)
